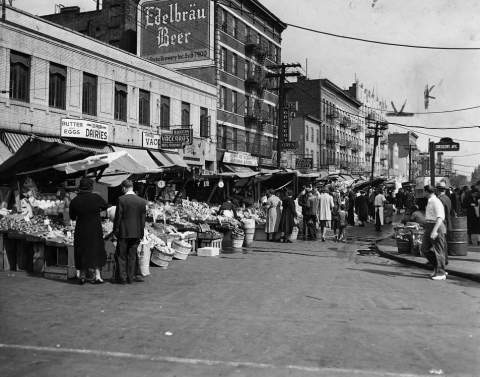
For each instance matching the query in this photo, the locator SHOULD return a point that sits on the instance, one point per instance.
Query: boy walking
(342, 223)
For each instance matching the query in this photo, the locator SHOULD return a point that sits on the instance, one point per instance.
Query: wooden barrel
(457, 238)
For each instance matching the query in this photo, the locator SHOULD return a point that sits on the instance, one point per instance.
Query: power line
(382, 42)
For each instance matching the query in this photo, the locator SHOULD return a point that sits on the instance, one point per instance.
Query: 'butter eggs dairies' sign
(175, 31)
(84, 129)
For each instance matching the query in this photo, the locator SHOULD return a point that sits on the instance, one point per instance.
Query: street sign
(447, 145)
(304, 163)
(288, 145)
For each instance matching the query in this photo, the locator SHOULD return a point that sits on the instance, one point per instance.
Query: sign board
(84, 129)
(150, 140)
(194, 154)
(240, 158)
(447, 147)
(304, 163)
(284, 129)
(174, 31)
(177, 139)
(292, 106)
(288, 145)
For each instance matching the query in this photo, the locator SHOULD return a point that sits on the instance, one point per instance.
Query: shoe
(138, 279)
(323, 239)
(439, 277)
(82, 281)
(288, 241)
(97, 281)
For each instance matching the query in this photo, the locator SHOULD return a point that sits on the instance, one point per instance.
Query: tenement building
(59, 83)
(229, 44)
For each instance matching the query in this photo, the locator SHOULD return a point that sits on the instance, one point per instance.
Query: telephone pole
(379, 127)
(282, 121)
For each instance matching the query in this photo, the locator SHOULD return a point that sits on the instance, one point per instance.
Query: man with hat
(447, 206)
(434, 244)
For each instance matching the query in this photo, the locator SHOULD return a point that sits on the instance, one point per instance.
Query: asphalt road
(304, 309)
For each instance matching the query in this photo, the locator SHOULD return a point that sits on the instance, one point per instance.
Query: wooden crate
(210, 243)
(59, 261)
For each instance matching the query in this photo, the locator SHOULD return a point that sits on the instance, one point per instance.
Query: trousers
(435, 250)
(127, 257)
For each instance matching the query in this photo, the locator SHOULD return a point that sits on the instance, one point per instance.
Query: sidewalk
(467, 267)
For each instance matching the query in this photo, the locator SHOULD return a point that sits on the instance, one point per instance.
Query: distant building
(399, 163)
(305, 131)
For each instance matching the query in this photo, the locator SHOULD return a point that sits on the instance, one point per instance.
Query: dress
(351, 208)
(273, 214)
(89, 247)
(361, 205)
(287, 220)
(325, 207)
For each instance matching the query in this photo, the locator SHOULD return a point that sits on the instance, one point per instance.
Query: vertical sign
(284, 129)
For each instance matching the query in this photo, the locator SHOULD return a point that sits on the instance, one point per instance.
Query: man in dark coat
(88, 244)
(129, 228)
(361, 205)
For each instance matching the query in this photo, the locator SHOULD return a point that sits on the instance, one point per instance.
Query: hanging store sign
(240, 158)
(304, 163)
(150, 140)
(174, 31)
(177, 139)
(284, 129)
(84, 129)
(288, 145)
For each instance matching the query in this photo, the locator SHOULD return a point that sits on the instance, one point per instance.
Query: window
(223, 59)
(221, 136)
(120, 102)
(89, 94)
(234, 102)
(57, 91)
(306, 133)
(185, 114)
(144, 108)
(19, 76)
(247, 105)
(234, 27)
(204, 123)
(234, 64)
(248, 33)
(223, 98)
(165, 113)
(247, 69)
(318, 138)
(223, 20)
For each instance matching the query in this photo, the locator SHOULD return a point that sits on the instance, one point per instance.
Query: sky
(397, 74)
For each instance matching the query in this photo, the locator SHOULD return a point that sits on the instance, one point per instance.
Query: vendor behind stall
(228, 206)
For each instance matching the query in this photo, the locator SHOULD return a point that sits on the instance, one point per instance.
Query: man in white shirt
(325, 207)
(434, 244)
(378, 203)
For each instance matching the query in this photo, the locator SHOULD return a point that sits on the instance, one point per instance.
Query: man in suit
(129, 228)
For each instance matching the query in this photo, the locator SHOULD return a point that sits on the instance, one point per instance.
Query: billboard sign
(177, 139)
(151, 140)
(304, 163)
(174, 31)
(84, 129)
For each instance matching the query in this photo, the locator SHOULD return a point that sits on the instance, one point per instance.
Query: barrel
(249, 228)
(457, 238)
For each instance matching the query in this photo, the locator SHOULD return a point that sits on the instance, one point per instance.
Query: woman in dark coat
(361, 205)
(351, 208)
(89, 247)
(471, 199)
(289, 214)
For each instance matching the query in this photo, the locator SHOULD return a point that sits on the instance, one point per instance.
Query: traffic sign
(446, 144)
(288, 145)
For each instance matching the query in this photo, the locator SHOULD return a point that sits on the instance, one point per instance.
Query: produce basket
(182, 249)
(160, 259)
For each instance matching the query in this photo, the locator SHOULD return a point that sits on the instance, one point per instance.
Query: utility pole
(379, 127)
(409, 162)
(283, 131)
(431, 150)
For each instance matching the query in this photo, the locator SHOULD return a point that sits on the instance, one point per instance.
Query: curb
(453, 272)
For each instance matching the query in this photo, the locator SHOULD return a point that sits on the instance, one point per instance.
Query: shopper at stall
(361, 207)
(273, 208)
(434, 244)
(88, 244)
(129, 228)
(325, 207)
(310, 216)
(379, 203)
(288, 217)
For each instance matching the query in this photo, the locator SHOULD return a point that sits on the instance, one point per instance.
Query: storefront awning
(5, 153)
(308, 175)
(161, 159)
(142, 157)
(239, 171)
(37, 153)
(176, 159)
(90, 147)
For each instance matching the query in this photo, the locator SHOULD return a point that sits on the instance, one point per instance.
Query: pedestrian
(288, 217)
(434, 244)
(351, 208)
(342, 224)
(302, 202)
(379, 203)
(128, 228)
(371, 205)
(447, 207)
(273, 207)
(361, 205)
(325, 207)
(311, 216)
(88, 244)
(470, 202)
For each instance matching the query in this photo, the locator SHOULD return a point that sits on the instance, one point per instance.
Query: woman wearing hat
(89, 247)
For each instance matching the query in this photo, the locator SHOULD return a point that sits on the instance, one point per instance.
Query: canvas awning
(141, 156)
(176, 159)
(37, 153)
(5, 153)
(239, 171)
(161, 159)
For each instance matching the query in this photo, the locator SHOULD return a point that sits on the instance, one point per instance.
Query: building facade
(341, 140)
(403, 155)
(53, 78)
(226, 43)
(305, 131)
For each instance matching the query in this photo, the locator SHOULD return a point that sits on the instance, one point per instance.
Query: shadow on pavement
(389, 273)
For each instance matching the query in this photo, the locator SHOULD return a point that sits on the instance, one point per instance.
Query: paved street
(304, 309)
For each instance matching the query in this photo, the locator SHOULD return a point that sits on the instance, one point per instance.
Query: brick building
(52, 77)
(305, 131)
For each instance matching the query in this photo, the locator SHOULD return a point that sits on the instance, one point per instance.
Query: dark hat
(441, 185)
(86, 184)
